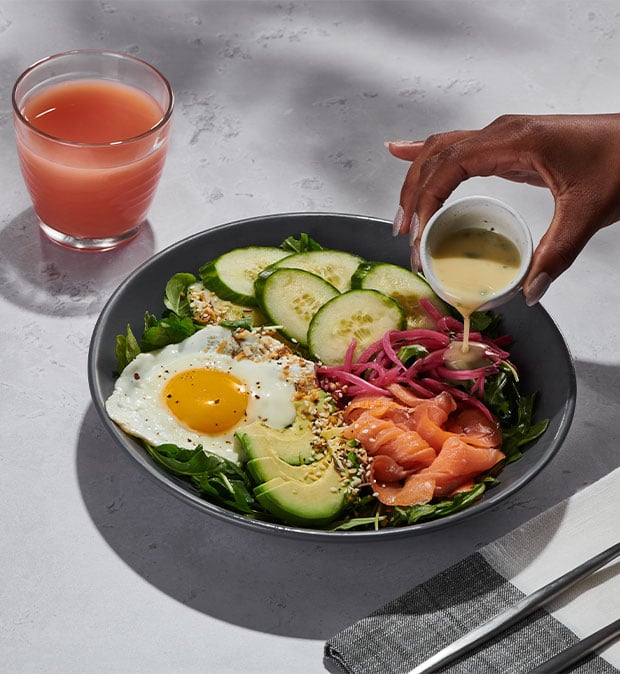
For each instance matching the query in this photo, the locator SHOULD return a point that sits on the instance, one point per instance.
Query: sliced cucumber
(334, 266)
(291, 297)
(402, 285)
(231, 276)
(363, 314)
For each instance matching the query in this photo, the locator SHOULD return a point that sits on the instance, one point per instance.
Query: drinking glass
(92, 130)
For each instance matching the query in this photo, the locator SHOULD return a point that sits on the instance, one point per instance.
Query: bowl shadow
(286, 586)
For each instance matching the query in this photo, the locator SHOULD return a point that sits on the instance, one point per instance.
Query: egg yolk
(207, 401)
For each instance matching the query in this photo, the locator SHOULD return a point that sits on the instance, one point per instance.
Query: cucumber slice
(362, 314)
(231, 276)
(402, 285)
(334, 266)
(291, 297)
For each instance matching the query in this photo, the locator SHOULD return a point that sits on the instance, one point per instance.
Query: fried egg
(202, 390)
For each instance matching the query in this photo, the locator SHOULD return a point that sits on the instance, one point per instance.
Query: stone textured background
(280, 106)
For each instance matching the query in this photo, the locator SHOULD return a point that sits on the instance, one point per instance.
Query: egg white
(270, 373)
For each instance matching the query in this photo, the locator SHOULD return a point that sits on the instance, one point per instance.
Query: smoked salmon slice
(385, 469)
(422, 448)
(384, 437)
(405, 396)
(415, 490)
(429, 419)
(476, 427)
(458, 462)
(378, 405)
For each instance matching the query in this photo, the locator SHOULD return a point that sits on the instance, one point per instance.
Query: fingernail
(414, 228)
(538, 287)
(387, 143)
(398, 221)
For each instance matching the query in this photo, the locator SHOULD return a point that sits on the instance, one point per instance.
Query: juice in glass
(92, 142)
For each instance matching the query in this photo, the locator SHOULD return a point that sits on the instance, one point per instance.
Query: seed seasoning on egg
(200, 391)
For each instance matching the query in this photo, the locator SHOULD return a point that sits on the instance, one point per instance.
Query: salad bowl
(534, 333)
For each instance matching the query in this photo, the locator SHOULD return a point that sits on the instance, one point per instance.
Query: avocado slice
(302, 503)
(292, 484)
(311, 494)
(266, 468)
(293, 444)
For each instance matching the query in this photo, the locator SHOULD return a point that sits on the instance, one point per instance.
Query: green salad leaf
(410, 353)
(375, 515)
(514, 411)
(500, 394)
(219, 479)
(301, 245)
(127, 348)
(523, 430)
(239, 324)
(399, 516)
(159, 332)
(485, 321)
(175, 296)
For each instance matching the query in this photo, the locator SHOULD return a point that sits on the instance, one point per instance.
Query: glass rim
(102, 52)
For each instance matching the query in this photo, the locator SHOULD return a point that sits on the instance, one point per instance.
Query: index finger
(419, 152)
(442, 172)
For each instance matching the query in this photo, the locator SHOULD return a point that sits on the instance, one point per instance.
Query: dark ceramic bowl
(539, 351)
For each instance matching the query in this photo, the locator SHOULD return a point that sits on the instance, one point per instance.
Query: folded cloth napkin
(410, 629)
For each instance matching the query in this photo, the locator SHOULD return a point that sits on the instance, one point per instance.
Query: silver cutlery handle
(572, 654)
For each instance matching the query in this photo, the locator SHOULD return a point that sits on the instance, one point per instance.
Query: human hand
(577, 157)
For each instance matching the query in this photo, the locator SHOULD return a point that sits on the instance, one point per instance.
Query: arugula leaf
(373, 522)
(181, 461)
(514, 411)
(410, 353)
(301, 245)
(175, 297)
(221, 480)
(399, 516)
(127, 348)
(485, 321)
(523, 430)
(501, 395)
(231, 493)
(243, 323)
(163, 331)
(370, 514)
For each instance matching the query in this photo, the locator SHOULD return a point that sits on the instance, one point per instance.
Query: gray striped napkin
(406, 631)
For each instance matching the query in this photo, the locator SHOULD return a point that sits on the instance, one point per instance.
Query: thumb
(570, 229)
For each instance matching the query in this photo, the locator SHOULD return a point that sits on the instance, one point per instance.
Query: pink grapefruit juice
(92, 156)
